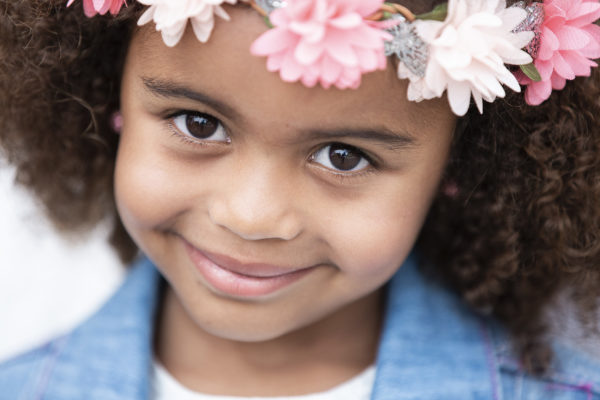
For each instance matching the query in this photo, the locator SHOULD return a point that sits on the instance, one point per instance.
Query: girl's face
(269, 206)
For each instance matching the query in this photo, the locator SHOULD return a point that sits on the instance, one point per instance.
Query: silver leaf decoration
(533, 22)
(408, 46)
(270, 5)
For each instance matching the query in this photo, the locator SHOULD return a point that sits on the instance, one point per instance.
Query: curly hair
(59, 84)
(522, 220)
(517, 217)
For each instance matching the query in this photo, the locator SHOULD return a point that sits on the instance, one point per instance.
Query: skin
(261, 192)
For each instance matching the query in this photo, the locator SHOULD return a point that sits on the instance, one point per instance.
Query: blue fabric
(432, 348)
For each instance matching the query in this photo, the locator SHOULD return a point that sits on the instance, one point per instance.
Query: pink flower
(93, 7)
(569, 43)
(323, 41)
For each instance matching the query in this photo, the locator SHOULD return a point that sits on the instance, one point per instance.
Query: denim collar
(432, 346)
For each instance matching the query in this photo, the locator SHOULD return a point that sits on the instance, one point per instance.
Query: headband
(465, 48)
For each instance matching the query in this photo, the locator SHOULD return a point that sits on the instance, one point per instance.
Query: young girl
(310, 226)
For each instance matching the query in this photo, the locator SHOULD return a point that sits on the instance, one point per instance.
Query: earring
(450, 189)
(116, 121)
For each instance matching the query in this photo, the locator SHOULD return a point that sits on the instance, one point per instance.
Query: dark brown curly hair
(517, 217)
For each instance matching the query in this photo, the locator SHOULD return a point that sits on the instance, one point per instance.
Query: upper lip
(251, 269)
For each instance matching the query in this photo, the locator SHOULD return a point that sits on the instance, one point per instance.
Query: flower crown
(462, 47)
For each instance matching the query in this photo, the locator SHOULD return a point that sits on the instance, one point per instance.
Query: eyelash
(340, 176)
(185, 139)
(345, 177)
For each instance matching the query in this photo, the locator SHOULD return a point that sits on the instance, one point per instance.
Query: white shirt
(166, 387)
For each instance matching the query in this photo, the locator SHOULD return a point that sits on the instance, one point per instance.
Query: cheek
(145, 187)
(377, 239)
(384, 226)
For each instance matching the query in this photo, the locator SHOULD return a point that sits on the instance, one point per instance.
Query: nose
(257, 204)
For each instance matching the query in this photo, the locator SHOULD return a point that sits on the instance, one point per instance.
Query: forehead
(224, 68)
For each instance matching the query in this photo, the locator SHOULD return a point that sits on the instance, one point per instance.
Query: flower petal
(589, 12)
(202, 29)
(571, 38)
(330, 70)
(549, 45)
(273, 41)
(347, 21)
(307, 53)
(274, 62)
(562, 67)
(459, 97)
(538, 92)
(290, 71)
(580, 64)
(342, 53)
(558, 82)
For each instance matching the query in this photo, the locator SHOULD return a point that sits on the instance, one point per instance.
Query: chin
(249, 333)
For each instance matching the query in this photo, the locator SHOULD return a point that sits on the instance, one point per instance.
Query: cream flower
(171, 17)
(468, 53)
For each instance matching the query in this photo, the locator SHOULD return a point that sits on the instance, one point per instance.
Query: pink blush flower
(93, 7)
(570, 41)
(323, 41)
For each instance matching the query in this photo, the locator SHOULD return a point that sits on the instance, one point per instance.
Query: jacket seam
(568, 381)
(586, 388)
(557, 379)
(56, 349)
(491, 361)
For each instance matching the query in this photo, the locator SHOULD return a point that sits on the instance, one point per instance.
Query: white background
(47, 284)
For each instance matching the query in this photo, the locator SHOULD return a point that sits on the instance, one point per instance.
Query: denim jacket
(432, 348)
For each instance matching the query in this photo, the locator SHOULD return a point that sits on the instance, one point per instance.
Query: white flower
(417, 89)
(171, 17)
(468, 53)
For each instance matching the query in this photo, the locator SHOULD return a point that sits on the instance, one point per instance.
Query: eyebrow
(168, 89)
(390, 139)
(383, 136)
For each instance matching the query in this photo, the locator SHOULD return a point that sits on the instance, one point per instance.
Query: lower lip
(238, 285)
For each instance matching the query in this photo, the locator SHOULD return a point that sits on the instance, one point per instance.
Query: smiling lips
(231, 277)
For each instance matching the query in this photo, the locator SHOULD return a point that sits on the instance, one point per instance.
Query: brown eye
(200, 126)
(344, 158)
(341, 157)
